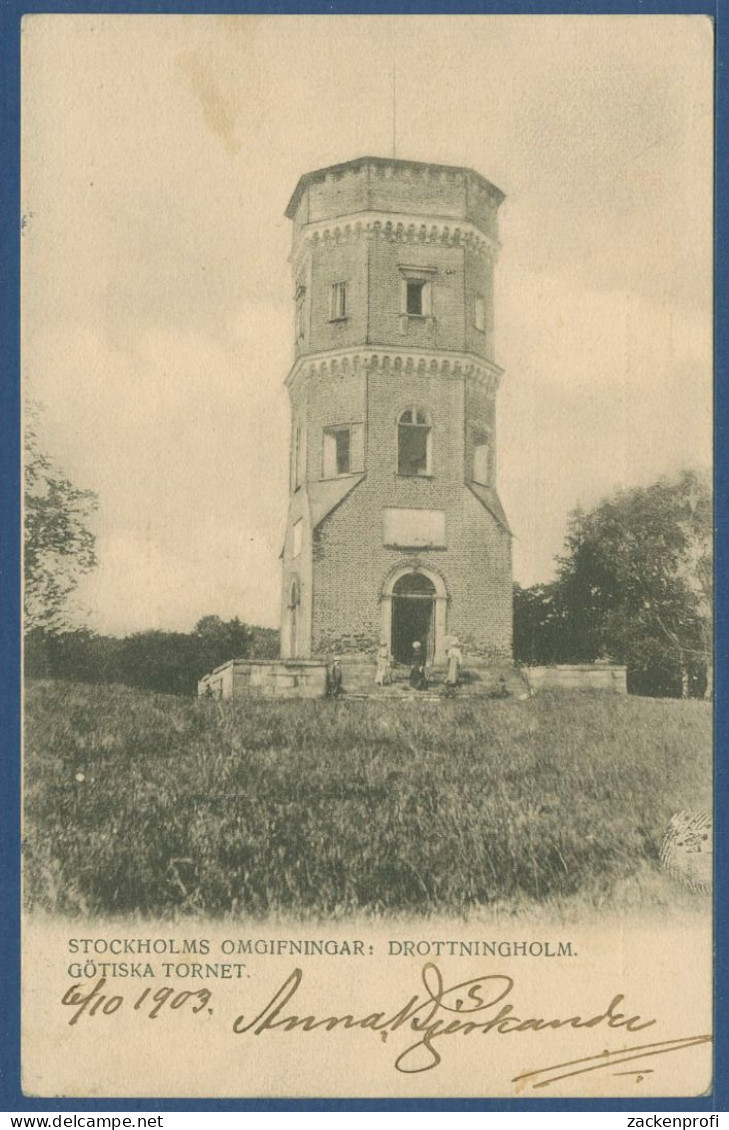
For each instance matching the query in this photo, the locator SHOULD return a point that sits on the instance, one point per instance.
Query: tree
(636, 583)
(172, 662)
(58, 545)
(220, 640)
(168, 662)
(541, 625)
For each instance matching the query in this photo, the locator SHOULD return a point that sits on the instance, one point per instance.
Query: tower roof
(382, 162)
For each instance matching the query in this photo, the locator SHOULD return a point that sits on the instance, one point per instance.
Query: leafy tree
(220, 640)
(58, 545)
(169, 662)
(172, 662)
(79, 655)
(541, 625)
(265, 643)
(635, 584)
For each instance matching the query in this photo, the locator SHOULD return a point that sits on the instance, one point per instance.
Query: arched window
(414, 442)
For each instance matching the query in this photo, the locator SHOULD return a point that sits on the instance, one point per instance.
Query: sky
(159, 154)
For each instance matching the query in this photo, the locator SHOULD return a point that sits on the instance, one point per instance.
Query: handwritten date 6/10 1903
(478, 1005)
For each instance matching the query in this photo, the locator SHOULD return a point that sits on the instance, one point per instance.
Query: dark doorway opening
(412, 616)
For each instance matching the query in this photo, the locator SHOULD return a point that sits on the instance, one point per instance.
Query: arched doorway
(413, 608)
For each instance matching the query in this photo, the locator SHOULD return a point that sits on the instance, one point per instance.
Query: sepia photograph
(367, 388)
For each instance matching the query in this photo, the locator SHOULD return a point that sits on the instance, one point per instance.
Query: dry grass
(333, 809)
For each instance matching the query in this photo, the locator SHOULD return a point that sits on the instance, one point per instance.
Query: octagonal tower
(395, 529)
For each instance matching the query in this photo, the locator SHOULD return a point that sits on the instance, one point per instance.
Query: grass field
(147, 804)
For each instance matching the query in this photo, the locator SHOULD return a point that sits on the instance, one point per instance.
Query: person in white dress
(454, 655)
(383, 676)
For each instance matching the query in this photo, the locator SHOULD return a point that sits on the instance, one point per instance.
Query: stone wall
(350, 561)
(241, 678)
(599, 677)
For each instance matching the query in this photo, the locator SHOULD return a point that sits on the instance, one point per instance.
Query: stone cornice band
(399, 229)
(409, 362)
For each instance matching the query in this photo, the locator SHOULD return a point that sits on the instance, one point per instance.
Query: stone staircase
(476, 680)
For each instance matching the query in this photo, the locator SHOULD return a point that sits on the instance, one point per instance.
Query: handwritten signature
(466, 1008)
(476, 1006)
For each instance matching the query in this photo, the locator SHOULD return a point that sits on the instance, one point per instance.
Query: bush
(168, 662)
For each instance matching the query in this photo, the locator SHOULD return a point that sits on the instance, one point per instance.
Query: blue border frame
(11, 12)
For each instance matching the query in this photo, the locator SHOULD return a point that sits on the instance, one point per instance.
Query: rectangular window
(298, 456)
(479, 313)
(341, 442)
(336, 452)
(416, 289)
(300, 323)
(414, 301)
(297, 538)
(480, 469)
(338, 301)
(343, 450)
(295, 457)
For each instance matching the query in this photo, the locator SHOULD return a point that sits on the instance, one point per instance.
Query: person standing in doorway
(418, 678)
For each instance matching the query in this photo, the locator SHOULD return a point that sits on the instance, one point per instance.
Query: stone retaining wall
(586, 676)
(277, 678)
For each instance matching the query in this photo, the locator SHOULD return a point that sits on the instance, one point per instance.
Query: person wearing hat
(334, 678)
(383, 676)
(418, 679)
(454, 656)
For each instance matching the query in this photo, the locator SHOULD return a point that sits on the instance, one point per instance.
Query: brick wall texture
(373, 224)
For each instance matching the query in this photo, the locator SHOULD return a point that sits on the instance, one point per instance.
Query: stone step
(358, 679)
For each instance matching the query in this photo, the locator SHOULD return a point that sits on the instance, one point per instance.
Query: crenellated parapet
(382, 184)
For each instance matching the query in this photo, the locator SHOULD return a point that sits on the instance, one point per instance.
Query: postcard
(367, 379)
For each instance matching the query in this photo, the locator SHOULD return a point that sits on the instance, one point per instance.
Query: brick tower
(395, 529)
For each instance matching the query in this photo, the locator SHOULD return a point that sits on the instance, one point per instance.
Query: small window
(343, 451)
(336, 452)
(480, 469)
(414, 298)
(416, 291)
(414, 442)
(298, 456)
(479, 313)
(300, 321)
(338, 301)
(295, 457)
(297, 538)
